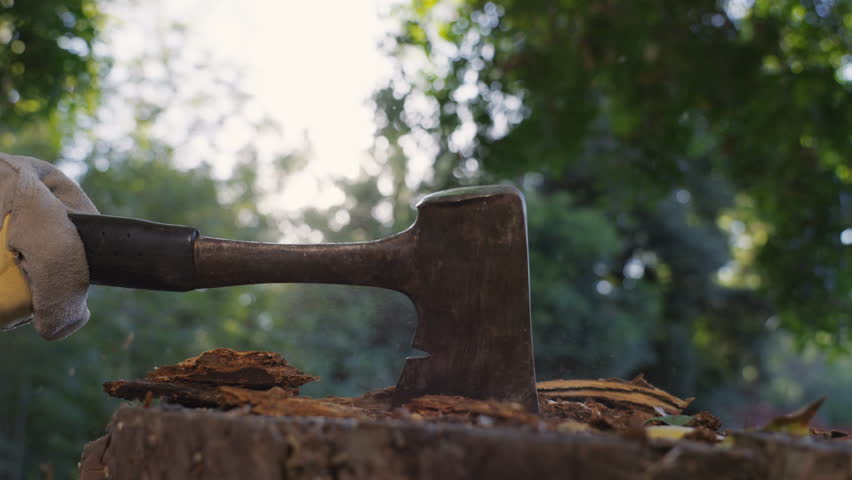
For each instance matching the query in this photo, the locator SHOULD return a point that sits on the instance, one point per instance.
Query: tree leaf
(795, 423)
(675, 420)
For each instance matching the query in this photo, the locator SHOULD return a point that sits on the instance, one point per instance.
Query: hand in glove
(44, 277)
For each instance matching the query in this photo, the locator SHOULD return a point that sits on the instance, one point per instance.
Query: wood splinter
(222, 377)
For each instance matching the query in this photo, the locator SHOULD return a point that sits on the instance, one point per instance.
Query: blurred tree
(652, 142)
(651, 139)
(48, 69)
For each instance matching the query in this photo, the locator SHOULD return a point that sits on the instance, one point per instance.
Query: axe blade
(471, 290)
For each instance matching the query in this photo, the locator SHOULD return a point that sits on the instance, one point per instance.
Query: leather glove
(40, 248)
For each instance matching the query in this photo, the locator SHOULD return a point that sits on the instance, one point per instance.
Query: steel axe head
(470, 285)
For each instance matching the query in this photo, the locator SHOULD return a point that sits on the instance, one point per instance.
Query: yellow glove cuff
(15, 297)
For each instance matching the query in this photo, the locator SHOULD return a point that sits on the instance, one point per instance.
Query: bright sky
(310, 65)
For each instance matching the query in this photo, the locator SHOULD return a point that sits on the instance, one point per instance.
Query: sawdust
(454, 409)
(277, 402)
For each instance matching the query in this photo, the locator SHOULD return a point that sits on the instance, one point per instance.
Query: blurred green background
(687, 166)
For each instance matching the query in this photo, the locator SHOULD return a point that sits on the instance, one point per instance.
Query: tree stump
(160, 443)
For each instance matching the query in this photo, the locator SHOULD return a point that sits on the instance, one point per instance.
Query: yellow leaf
(667, 432)
(796, 423)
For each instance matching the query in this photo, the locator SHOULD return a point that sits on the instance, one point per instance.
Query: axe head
(470, 285)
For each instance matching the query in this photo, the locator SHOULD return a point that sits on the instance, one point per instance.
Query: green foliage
(354, 338)
(688, 155)
(577, 306)
(627, 102)
(676, 420)
(48, 65)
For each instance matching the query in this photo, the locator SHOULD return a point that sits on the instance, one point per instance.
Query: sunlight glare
(313, 65)
(310, 66)
(846, 236)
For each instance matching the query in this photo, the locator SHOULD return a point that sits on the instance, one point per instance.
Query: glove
(41, 254)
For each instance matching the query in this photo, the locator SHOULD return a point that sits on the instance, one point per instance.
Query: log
(169, 442)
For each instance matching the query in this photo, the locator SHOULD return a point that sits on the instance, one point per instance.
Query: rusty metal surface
(472, 298)
(464, 265)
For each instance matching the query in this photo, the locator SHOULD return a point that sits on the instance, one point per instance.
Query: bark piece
(224, 366)
(621, 418)
(637, 392)
(456, 409)
(213, 379)
(379, 400)
(186, 394)
(277, 402)
(706, 420)
(202, 381)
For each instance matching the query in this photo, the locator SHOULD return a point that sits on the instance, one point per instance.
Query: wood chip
(224, 366)
(198, 381)
(277, 402)
(263, 383)
(636, 392)
(600, 416)
(467, 410)
(706, 420)
(181, 393)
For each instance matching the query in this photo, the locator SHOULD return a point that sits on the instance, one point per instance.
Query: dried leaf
(796, 423)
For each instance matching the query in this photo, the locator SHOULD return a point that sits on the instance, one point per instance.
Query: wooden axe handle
(133, 253)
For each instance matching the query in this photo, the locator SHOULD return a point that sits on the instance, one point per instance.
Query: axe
(463, 263)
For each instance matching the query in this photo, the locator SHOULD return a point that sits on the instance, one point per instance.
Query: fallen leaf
(796, 423)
